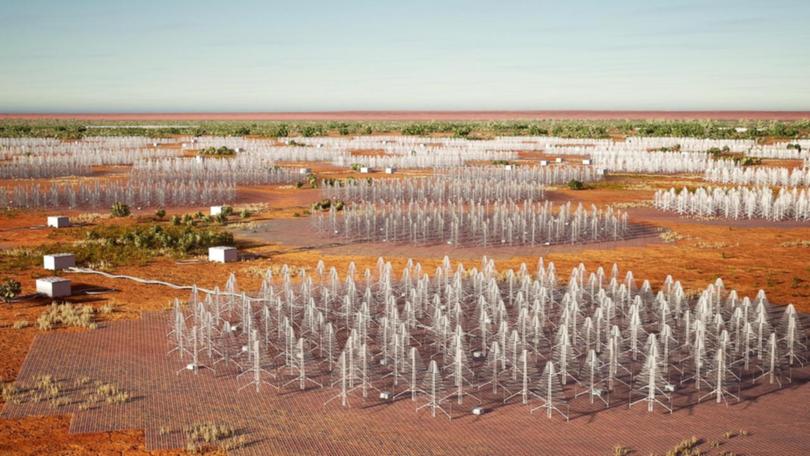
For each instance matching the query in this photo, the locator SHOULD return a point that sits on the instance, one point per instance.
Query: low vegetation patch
(620, 450)
(115, 245)
(119, 210)
(686, 447)
(9, 289)
(217, 152)
(797, 243)
(326, 204)
(67, 315)
(111, 394)
(204, 437)
(574, 184)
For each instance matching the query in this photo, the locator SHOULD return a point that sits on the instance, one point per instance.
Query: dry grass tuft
(11, 393)
(111, 394)
(67, 315)
(107, 308)
(87, 217)
(713, 245)
(670, 236)
(21, 324)
(686, 447)
(797, 243)
(632, 204)
(620, 450)
(210, 436)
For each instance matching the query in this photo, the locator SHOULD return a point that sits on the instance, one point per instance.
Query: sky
(264, 56)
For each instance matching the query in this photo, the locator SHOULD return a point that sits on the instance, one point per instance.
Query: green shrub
(180, 240)
(749, 161)
(160, 213)
(217, 152)
(245, 214)
(326, 204)
(119, 210)
(9, 289)
(117, 245)
(574, 184)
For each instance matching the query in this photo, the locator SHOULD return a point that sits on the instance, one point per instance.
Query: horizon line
(422, 115)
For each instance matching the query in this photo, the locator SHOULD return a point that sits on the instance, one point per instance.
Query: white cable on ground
(143, 281)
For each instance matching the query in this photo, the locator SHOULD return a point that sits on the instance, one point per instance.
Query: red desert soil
(427, 115)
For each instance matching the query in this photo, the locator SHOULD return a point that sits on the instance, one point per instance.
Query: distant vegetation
(716, 129)
(218, 151)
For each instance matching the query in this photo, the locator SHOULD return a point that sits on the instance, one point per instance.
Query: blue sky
(144, 56)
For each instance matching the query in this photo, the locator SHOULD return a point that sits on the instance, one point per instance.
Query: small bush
(11, 393)
(619, 450)
(245, 214)
(119, 210)
(160, 213)
(9, 289)
(750, 161)
(574, 184)
(684, 447)
(217, 152)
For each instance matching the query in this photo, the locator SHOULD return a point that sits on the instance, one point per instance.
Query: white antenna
(651, 382)
(433, 386)
(719, 377)
(550, 393)
(595, 381)
(256, 371)
(413, 369)
(526, 377)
